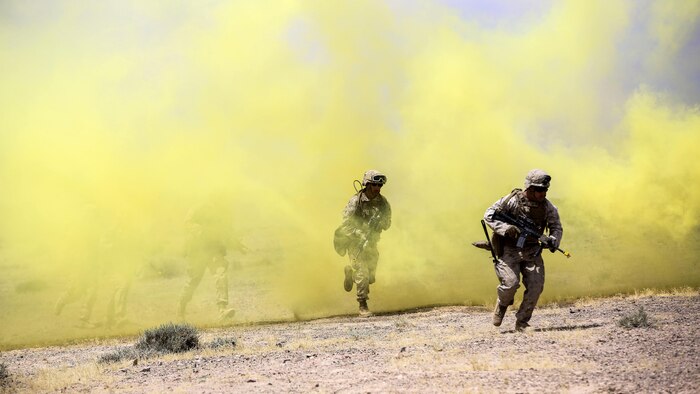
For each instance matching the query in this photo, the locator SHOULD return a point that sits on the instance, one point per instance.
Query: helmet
(373, 176)
(537, 178)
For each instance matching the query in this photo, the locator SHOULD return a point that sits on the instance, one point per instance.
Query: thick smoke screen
(119, 120)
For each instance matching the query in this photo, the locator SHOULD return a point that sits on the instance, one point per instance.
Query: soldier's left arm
(385, 221)
(554, 223)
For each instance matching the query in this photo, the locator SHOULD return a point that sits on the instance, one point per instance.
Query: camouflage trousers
(364, 268)
(514, 263)
(219, 268)
(116, 288)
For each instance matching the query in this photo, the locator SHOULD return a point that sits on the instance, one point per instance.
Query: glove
(359, 234)
(512, 231)
(551, 244)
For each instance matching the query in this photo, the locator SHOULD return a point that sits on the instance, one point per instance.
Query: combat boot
(521, 326)
(85, 323)
(498, 314)
(364, 310)
(348, 282)
(226, 314)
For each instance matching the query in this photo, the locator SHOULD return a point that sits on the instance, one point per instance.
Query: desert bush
(635, 319)
(167, 338)
(222, 342)
(126, 353)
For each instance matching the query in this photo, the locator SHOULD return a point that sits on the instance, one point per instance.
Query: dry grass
(454, 361)
(676, 291)
(51, 379)
(686, 291)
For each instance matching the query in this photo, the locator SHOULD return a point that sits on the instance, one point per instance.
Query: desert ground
(580, 347)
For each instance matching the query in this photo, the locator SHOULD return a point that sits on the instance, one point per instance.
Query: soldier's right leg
(88, 307)
(195, 273)
(71, 295)
(220, 271)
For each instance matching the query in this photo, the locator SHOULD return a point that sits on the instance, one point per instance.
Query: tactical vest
(535, 211)
(365, 210)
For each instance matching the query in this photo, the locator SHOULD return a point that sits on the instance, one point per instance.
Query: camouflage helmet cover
(537, 178)
(373, 176)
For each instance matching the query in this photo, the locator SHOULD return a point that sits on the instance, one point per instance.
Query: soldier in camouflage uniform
(366, 215)
(514, 261)
(209, 239)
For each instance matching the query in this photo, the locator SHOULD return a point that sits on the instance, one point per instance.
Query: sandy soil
(575, 348)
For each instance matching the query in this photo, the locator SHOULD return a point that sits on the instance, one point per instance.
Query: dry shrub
(635, 319)
(228, 342)
(169, 338)
(165, 339)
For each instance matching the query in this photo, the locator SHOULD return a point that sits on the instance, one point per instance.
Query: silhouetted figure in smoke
(209, 239)
(512, 261)
(365, 216)
(101, 272)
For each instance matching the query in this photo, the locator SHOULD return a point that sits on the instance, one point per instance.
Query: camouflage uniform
(514, 261)
(364, 220)
(208, 238)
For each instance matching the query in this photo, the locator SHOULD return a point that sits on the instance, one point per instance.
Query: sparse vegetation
(440, 349)
(635, 319)
(222, 343)
(169, 338)
(165, 339)
(124, 353)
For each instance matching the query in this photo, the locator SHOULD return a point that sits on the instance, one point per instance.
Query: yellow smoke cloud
(117, 119)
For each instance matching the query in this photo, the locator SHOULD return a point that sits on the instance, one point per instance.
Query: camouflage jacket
(358, 214)
(544, 214)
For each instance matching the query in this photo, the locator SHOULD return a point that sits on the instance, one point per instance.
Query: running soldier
(513, 261)
(366, 215)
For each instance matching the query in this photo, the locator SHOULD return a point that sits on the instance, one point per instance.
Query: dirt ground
(576, 348)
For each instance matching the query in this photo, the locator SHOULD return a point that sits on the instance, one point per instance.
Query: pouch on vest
(341, 241)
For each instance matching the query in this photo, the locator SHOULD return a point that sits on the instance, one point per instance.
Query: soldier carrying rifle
(365, 216)
(519, 222)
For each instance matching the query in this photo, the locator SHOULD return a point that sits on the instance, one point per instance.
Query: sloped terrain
(574, 348)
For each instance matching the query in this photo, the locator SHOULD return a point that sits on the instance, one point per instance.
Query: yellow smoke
(119, 118)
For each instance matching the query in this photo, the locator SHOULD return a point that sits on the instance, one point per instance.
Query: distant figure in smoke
(100, 276)
(209, 228)
(366, 215)
(526, 260)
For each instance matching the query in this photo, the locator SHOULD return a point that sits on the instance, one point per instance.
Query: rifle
(488, 242)
(527, 228)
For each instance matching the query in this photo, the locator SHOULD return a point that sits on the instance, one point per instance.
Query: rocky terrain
(579, 348)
